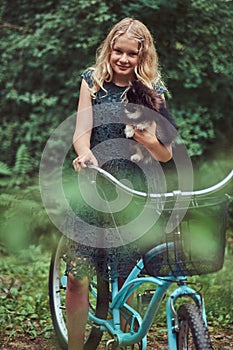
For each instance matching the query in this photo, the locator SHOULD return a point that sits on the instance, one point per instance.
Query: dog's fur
(143, 106)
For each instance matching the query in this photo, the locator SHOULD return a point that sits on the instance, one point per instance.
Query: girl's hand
(146, 137)
(149, 140)
(82, 160)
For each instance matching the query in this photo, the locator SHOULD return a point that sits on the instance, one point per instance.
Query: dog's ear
(148, 100)
(152, 99)
(134, 87)
(150, 96)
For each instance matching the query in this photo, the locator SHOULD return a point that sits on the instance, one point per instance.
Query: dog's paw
(140, 126)
(129, 131)
(143, 125)
(136, 158)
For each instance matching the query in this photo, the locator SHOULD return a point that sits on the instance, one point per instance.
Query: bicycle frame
(149, 269)
(119, 298)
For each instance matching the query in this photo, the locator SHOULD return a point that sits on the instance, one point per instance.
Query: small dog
(143, 106)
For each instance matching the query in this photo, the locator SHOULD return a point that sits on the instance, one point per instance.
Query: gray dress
(101, 239)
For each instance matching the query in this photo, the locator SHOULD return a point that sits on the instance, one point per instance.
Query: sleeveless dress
(112, 150)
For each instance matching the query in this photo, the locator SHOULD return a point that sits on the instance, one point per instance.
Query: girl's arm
(83, 129)
(149, 140)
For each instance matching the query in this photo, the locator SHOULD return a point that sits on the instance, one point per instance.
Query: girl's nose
(124, 58)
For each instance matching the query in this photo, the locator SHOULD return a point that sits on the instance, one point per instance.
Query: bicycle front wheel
(98, 300)
(193, 333)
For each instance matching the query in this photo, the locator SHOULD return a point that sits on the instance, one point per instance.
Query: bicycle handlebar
(202, 192)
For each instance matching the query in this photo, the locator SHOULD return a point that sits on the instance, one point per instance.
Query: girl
(127, 53)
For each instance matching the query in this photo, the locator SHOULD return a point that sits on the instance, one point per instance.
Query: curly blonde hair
(147, 69)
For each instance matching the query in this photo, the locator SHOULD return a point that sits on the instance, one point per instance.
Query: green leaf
(4, 169)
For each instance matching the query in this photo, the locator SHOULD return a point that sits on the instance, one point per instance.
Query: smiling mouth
(122, 67)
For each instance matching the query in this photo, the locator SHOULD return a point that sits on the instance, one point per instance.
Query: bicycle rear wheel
(98, 300)
(193, 333)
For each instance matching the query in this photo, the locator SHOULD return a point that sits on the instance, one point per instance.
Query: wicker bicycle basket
(196, 245)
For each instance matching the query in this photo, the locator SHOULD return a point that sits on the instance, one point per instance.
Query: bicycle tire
(193, 333)
(57, 300)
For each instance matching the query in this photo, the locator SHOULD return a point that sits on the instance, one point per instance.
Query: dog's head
(140, 94)
(134, 112)
(140, 102)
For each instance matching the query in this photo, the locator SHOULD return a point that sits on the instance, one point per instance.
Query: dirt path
(157, 340)
(24, 343)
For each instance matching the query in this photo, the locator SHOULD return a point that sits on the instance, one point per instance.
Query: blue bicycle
(194, 246)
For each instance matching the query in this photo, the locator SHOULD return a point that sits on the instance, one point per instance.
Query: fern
(18, 175)
(23, 162)
(5, 174)
(6, 200)
(4, 182)
(4, 169)
(23, 219)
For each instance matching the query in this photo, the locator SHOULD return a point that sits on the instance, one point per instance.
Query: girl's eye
(133, 54)
(130, 54)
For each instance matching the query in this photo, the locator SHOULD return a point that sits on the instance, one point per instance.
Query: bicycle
(168, 263)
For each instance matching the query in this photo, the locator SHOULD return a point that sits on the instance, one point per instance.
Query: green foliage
(45, 47)
(23, 219)
(24, 308)
(44, 51)
(4, 169)
(17, 175)
(216, 301)
(195, 127)
(194, 43)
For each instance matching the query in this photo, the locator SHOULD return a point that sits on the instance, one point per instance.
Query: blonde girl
(147, 69)
(127, 53)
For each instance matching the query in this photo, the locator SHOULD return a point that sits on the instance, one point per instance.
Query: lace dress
(97, 241)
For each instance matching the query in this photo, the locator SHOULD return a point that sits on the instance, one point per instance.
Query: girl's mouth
(122, 67)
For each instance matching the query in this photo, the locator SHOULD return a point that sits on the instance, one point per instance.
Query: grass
(24, 305)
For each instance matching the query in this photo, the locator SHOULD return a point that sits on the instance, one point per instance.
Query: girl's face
(124, 58)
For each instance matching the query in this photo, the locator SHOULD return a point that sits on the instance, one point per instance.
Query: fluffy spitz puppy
(144, 105)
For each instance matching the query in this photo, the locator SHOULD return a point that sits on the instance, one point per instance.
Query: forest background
(46, 45)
